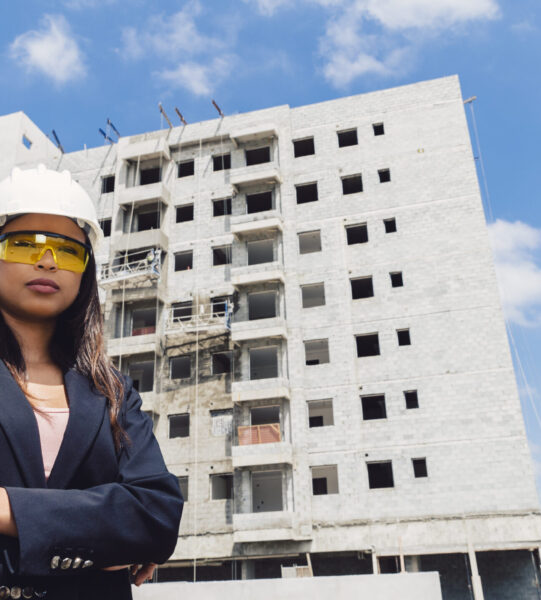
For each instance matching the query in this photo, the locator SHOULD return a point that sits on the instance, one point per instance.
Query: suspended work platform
(204, 318)
(146, 268)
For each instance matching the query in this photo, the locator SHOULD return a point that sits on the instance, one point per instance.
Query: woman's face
(28, 301)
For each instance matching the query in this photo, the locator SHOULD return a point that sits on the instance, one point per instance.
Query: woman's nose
(47, 262)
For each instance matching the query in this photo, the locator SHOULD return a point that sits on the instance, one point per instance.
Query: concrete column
(247, 570)
(375, 566)
(477, 586)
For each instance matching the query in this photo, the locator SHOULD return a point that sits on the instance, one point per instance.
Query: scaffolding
(132, 272)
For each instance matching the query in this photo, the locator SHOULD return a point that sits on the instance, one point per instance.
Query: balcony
(139, 148)
(260, 389)
(246, 224)
(253, 134)
(257, 274)
(139, 194)
(263, 526)
(258, 328)
(133, 344)
(261, 445)
(140, 239)
(255, 175)
(133, 273)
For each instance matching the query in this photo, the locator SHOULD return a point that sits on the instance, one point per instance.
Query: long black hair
(77, 342)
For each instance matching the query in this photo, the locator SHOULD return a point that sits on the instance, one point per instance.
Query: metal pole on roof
(218, 109)
(59, 145)
(165, 115)
(182, 119)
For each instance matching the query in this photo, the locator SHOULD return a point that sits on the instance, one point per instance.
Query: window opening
(184, 213)
(384, 175)
(264, 415)
(26, 142)
(186, 168)
(258, 156)
(183, 484)
(388, 564)
(412, 399)
(261, 305)
(143, 321)
(303, 147)
(374, 407)
(362, 287)
(419, 467)
(316, 352)
(105, 225)
(150, 175)
(306, 193)
(107, 184)
(380, 474)
(352, 184)
(182, 311)
(313, 295)
(396, 279)
(357, 234)
(347, 138)
(320, 413)
(221, 207)
(179, 425)
(221, 162)
(180, 367)
(258, 202)
(221, 486)
(261, 251)
(219, 306)
(378, 128)
(142, 373)
(221, 363)
(146, 220)
(263, 363)
(324, 480)
(367, 344)
(390, 225)
(309, 241)
(221, 255)
(184, 260)
(404, 338)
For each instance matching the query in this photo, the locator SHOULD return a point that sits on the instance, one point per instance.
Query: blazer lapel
(21, 428)
(86, 415)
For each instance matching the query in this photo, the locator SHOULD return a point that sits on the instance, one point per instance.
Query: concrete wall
(381, 587)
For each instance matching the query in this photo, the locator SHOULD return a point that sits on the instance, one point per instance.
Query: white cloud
(268, 7)
(200, 79)
(517, 252)
(188, 54)
(83, 4)
(400, 27)
(523, 27)
(52, 50)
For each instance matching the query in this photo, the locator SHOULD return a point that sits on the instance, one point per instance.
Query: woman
(85, 497)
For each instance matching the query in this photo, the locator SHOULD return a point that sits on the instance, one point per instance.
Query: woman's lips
(43, 286)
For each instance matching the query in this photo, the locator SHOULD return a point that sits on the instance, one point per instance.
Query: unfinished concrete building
(306, 300)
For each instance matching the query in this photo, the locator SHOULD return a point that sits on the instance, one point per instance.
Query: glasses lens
(28, 248)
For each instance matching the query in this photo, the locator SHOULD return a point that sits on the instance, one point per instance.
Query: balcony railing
(144, 330)
(259, 434)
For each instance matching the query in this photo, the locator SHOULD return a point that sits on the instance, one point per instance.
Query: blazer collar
(17, 418)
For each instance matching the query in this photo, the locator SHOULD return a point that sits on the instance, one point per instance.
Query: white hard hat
(42, 190)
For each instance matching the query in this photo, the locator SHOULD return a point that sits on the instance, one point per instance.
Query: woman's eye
(24, 244)
(68, 250)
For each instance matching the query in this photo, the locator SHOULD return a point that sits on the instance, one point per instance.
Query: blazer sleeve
(133, 520)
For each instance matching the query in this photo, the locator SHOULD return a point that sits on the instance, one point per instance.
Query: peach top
(53, 424)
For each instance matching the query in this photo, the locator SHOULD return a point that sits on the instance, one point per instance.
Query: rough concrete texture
(468, 426)
(414, 586)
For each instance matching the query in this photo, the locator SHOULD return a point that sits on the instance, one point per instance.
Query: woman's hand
(7, 522)
(141, 572)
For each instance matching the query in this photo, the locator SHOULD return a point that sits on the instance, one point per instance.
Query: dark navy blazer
(97, 505)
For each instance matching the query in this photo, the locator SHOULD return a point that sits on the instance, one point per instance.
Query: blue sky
(71, 64)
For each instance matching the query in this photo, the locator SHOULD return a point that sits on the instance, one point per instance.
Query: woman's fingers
(144, 573)
(115, 568)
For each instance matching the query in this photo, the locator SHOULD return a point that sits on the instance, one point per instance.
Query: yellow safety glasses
(28, 247)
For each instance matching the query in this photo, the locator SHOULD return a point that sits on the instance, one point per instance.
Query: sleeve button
(5, 592)
(76, 562)
(66, 563)
(55, 561)
(28, 591)
(16, 592)
(87, 563)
